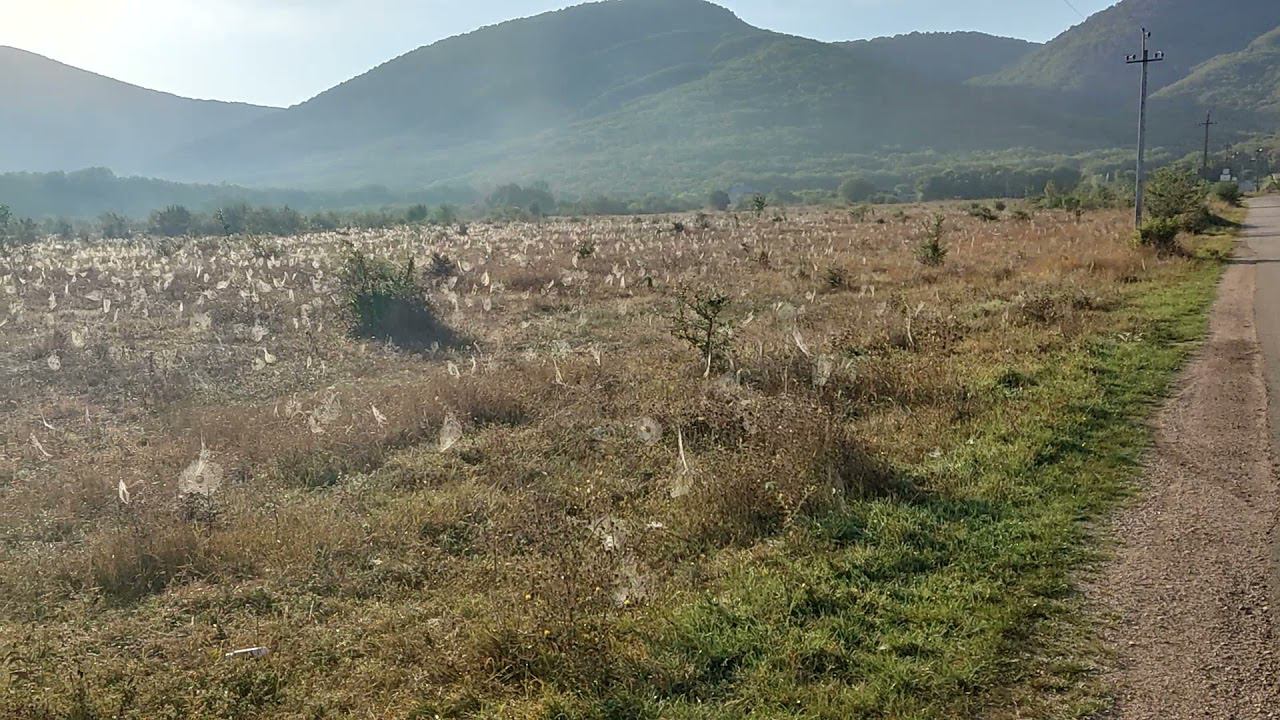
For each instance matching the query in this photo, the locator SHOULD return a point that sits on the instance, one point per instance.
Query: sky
(281, 52)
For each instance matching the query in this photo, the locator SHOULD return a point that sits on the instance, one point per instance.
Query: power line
(1076, 9)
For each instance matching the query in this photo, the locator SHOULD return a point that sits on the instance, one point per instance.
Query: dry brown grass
(597, 476)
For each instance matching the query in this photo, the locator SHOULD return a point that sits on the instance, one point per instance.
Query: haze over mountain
(1088, 59)
(647, 85)
(640, 96)
(56, 117)
(1243, 86)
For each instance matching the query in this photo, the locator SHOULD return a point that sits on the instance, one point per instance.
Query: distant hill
(506, 81)
(57, 117)
(86, 194)
(629, 97)
(1088, 59)
(1245, 84)
(955, 56)
(638, 95)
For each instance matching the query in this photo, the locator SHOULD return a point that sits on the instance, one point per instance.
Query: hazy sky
(281, 52)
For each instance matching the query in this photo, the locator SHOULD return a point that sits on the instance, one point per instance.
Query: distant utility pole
(1208, 123)
(1146, 58)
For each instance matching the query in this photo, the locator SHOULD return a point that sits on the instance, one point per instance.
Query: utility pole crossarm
(1145, 59)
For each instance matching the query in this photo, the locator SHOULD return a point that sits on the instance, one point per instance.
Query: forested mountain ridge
(953, 56)
(1088, 59)
(633, 94)
(1244, 84)
(631, 97)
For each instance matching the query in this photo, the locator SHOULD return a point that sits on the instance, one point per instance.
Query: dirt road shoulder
(1191, 586)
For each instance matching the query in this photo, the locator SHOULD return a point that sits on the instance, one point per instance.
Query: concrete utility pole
(1146, 58)
(1208, 123)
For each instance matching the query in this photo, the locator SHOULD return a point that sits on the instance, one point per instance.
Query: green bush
(719, 201)
(16, 231)
(114, 226)
(388, 302)
(982, 212)
(856, 190)
(932, 251)
(1160, 233)
(1174, 192)
(173, 221)
(417, 213)
(1228, 192)
(1197, 221)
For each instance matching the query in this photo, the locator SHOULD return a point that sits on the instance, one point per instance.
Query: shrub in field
(442, 266)
(114, 226)
(982, 212)
(444, 215)
(931, 251)
(699, 321)
(1229, 193)
(1174, 193)
(1160, 233)
(1197, 221)
(417, 213)
(386, 301)
(719, 201)
(18, 231)
(856, 189)
(173, 221)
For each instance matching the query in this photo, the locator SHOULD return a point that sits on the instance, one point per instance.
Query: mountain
(954, 56)
(502, 82)
(635, 95)
(59, 117)
(1245, 84)
(1088, 60)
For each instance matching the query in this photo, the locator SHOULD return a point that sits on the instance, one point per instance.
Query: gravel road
(1191, 592)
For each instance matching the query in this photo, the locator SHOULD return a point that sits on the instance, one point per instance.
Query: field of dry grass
(867, 504)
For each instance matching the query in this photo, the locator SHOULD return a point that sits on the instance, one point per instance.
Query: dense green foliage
(858, 189)
(1160, 233)
(1229, 193)
(977, 183)
(1175, 193)
(953, 56)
